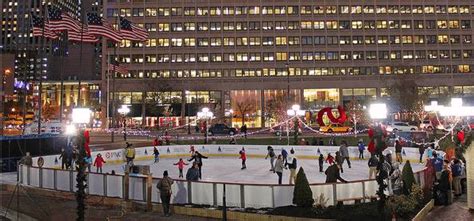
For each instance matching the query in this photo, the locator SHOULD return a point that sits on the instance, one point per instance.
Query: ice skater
(243, 157)
(321, 162)
(156, 153)
(284, 154)
(181, 165)
(271, 154)
(292, 165)
(361, 147)
(99, 162)
(197, 157)
(339, 161)
(344, 151)
(330, 159)
(191, 150)
(279, 166)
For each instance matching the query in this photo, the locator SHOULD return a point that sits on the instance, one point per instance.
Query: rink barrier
(243, 195)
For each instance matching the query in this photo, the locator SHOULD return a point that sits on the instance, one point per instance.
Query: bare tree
(356, 113)
(409, 97)
(245, 107)
(276, 107)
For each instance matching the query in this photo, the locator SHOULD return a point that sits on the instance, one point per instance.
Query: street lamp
(81, 115)
(205, 114)
(187, 108)
(378, 111)
(124, 110)
(294, 111)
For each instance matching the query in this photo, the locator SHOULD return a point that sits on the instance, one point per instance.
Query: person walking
(156, 153)
(164, 186)
(243, 157)
(373, 162)
(271, 154)
(243, 130)
(321, 162)
(292, 165)
(99, 162)
(344, 151)
(456, 170)
(398, 151)
(63, 157)
(330, 159)
(193, 173)
(361, 147)
(197, 157)
(332, 174)
(279, 166)
(181, 165)
(339, 161)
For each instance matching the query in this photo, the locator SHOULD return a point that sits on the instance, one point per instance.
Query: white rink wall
(207, 193)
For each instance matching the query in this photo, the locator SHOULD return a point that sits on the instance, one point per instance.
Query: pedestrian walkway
(40, 207)
(457, 211)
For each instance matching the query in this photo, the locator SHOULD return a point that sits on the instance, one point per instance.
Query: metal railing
(244, 195)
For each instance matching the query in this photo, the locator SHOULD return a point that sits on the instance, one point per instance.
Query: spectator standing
(456, 170)
(27, 160)
(164, 186)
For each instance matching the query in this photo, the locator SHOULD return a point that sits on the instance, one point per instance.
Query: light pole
(187, 108)
(124, 110)
(294, 111)
(205, 114)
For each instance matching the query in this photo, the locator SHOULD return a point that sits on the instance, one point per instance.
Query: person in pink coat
(99, 162)
(181, 165)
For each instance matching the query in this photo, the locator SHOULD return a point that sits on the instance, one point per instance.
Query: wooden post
(149, 188)
(126, 185)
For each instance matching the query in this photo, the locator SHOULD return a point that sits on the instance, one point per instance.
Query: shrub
(406, 206)
(408, 178)
(302, 194)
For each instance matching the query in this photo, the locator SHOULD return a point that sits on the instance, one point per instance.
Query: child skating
(181, 165)
(330, 159)
(243, 156)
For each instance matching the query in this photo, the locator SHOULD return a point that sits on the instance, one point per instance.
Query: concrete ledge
(423, 212)
(130, 206)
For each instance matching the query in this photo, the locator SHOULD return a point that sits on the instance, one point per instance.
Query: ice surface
(227, 169)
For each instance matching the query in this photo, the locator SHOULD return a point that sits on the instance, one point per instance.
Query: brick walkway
(458, 211)
(52, 208)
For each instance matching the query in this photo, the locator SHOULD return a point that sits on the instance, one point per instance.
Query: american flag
(38, 24)
(87, 37)
(98, 26)
(114, 65)
(132, 32)
(61, 21)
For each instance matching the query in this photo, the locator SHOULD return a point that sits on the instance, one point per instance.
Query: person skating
(164, 186)
(330, 159)
(181, 165)
(156, 153)
(88, 161)
(129, 153)
(63, 157)
(193, 173)
(284, 154)
(99, 163)
(332, 174)
(398, 151)
(344, 151)
(292, 165)
(197, 157)
(373, 162)
(361, 147)
(279, 166)
(271, 154)
(339, 160)
(421, 151)
(321, 162)
(243, 157)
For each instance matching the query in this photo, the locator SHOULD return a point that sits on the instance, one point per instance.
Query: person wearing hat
(164, 186)
(99, 162)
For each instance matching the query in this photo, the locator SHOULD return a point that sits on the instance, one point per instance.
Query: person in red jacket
(180, 164)
(243, 156)
(99, 162)
(330, 159)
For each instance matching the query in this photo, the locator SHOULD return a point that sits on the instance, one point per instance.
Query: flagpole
(61, 58)
(108, 91)
(43, 54)
(80, 58)
(113, 92)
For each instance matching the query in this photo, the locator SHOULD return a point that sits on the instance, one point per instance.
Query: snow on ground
(227, 169)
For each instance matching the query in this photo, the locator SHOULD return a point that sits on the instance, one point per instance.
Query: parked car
(400, 126)
(335, 128)
(426, 125)
(222, 129)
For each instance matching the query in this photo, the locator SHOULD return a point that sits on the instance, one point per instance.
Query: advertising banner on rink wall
(302, 152)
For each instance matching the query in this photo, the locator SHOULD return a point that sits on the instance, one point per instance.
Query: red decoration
(371, 133)
(371, 147)
(86, 143)
(328, 110)
(461, 136)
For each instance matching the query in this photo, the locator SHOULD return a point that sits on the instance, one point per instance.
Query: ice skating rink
(227, 169)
